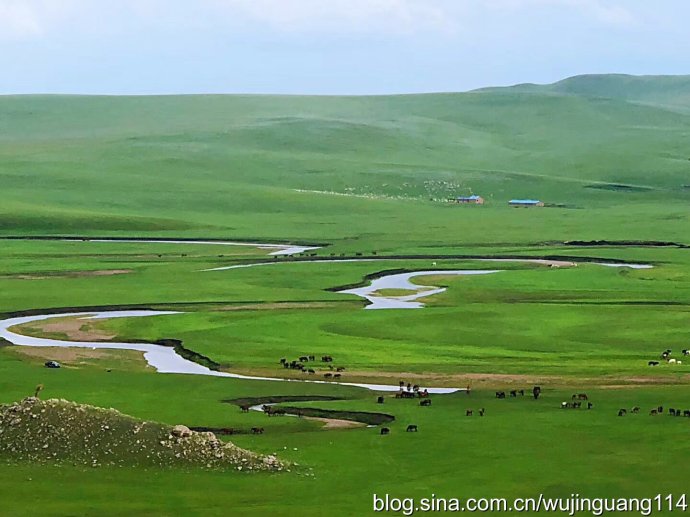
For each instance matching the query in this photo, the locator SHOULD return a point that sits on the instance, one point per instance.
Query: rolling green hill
(268, 166)
(667, 91)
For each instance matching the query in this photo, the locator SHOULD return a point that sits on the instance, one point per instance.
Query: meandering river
(166, 360)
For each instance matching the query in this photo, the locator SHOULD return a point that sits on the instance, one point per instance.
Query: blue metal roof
(524, 201)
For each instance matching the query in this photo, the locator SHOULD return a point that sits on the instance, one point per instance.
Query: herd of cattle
(666, 356)
(299, 364)
(657, 411)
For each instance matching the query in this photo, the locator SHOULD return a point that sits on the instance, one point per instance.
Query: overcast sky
(330, 46)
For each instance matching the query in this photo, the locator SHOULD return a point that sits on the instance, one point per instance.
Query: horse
(412, 428)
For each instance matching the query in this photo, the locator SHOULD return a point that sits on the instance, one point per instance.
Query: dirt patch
(69, 274)
(73, 329)
(334, 423)
(78, 355)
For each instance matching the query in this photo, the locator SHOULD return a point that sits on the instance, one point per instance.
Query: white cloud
(401, 16)
(17, 20)
(601, 11)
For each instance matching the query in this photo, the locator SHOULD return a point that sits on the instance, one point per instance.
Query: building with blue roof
(525, 202)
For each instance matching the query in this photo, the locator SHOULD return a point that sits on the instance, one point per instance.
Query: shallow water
(402, 281)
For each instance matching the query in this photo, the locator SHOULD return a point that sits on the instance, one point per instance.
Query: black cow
(425, 402)
(257, 430)
(385, 430)
(500, 394)
(412, 428)
(304, 358)
(380, 400)
(536, 391)
(244, 408)
(653, 363)
(468, 412)
(636, 409)
(328, 375)
(622, 412)
(590, 405)
(513, 393)
(482, 411)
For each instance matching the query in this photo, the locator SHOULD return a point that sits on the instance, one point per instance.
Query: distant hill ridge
(660, 90)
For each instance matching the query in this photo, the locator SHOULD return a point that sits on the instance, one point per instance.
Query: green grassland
(366, 177)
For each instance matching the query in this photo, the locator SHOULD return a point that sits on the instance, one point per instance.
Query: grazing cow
(577, 405)
(636, 409)
(336, 376)
(671, 411)
(328, 375)
(401, 383)
(257, 430)
(653, 363)
(522, 393)
(409, 387)
(660, 409)
(311, 371)
(312, 358)
(283, 361)
(536, 391)
(468, 412)
(244, 408)
(385, 430)
(482, 411)
(412, 428)
(653, 412)
(686, 412)
(686, 352)
(513, 393)
(565, 405)
(415, 388)
(407, 395)
(500, 394)
(425, 402)
(672, 361)
(590, 405)
(326, 359)
(622, 412)
(580, 396)
(380, 400)
(340, 369)
(304, 358)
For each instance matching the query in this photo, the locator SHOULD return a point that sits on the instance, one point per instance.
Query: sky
(330, 46)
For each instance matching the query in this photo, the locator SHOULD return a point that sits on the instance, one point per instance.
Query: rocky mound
(62, 431)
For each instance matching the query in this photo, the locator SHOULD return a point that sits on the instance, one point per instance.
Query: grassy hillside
(240, 165)
(59, 431)
(672, 92)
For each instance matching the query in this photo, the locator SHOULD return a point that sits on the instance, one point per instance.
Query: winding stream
(164, 359)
